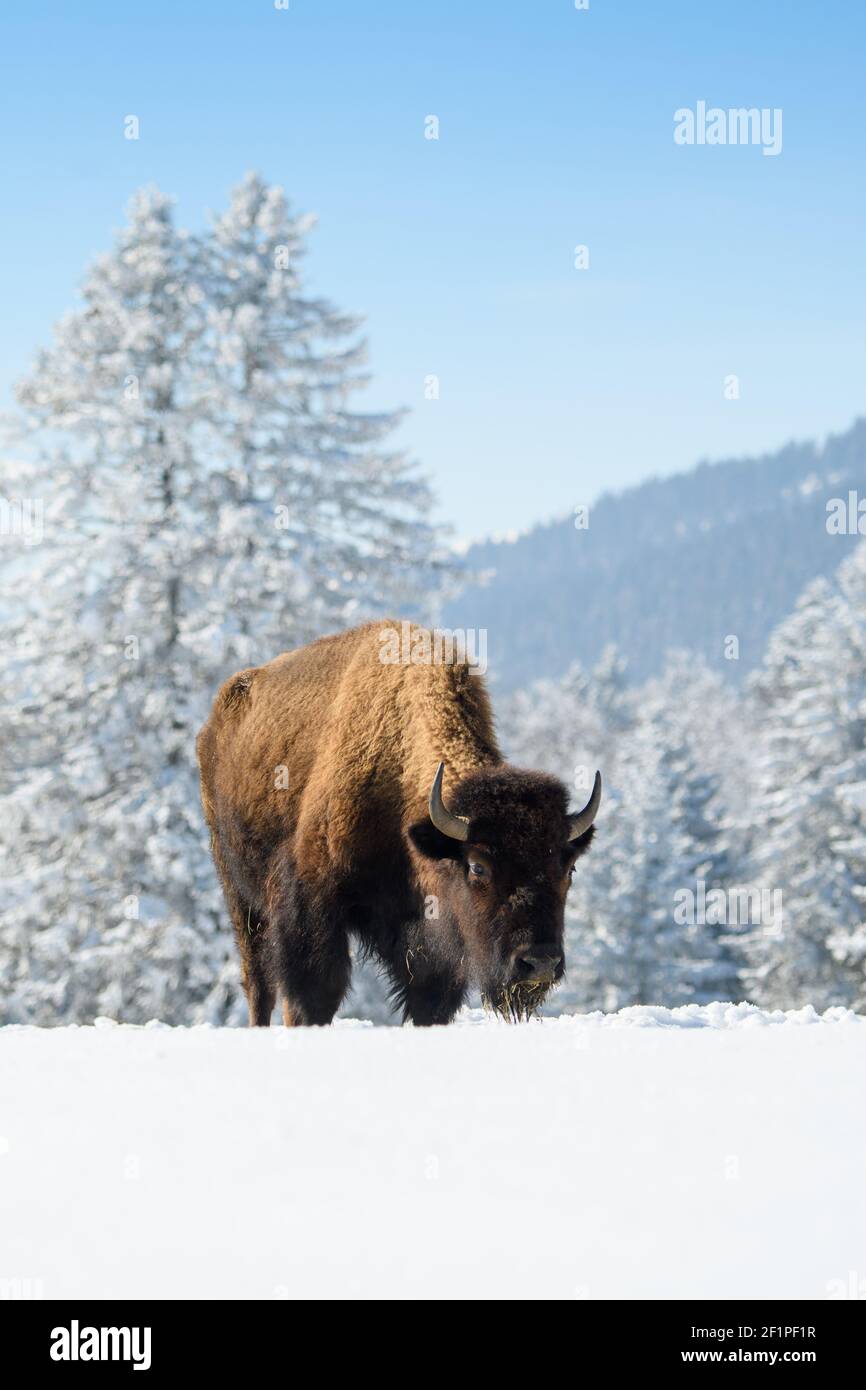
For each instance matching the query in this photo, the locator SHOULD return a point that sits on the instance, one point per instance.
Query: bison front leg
(428, 992)
(311, 962)
(313, 976)
(434, 1001)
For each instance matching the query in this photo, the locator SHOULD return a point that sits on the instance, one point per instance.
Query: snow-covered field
(697, 1152)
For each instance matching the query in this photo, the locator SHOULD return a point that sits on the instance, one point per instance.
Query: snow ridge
(718, 1016)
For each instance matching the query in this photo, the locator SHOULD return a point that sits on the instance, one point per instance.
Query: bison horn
(455, 827)
(580, 823)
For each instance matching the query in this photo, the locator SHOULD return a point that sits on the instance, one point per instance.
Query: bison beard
(516, 1003)
(322, 779)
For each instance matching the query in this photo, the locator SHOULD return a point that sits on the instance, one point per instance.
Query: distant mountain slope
(676, 562)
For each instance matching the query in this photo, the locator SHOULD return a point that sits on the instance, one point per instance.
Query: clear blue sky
(556, 128)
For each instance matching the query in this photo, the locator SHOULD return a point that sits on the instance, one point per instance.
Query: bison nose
(538, 967)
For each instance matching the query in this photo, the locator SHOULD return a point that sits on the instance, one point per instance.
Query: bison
(353, 796)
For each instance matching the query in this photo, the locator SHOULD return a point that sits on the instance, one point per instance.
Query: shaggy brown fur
(315, 775)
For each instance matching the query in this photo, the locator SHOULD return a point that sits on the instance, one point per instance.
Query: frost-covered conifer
(210, 497)
(810, 811)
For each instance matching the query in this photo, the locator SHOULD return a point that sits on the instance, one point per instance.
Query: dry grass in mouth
(517, 1003)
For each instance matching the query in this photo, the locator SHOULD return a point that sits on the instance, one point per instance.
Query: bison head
(505, 851)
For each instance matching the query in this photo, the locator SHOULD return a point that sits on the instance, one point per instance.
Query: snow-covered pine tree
(704, 726)
(103, 894)
(650, 946)
(573, 724)
(810, 811)
(708, 712)
(335, 524)
(207, 496)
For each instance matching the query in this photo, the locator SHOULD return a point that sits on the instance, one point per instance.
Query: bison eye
(477, 869)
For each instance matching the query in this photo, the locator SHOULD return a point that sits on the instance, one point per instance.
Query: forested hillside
(679, 562)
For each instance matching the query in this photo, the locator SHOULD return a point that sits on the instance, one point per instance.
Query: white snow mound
(713, 1151)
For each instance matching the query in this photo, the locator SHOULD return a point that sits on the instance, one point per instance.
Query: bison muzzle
(353, 798)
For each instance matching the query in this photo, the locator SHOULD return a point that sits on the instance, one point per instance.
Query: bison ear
(432, 843)
(576, 848)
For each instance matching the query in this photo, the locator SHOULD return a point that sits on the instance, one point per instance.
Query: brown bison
(322, 783)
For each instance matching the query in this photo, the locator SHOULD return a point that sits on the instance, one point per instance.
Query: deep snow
(699, 1152)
